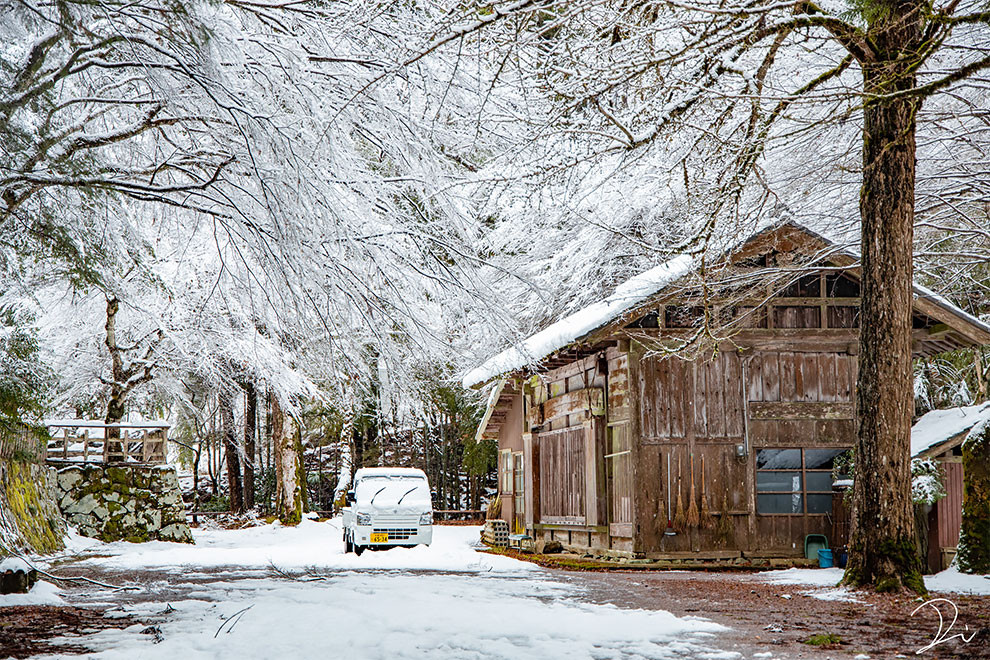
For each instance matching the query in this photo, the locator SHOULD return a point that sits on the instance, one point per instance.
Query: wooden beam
(801, 410)
(589, 400)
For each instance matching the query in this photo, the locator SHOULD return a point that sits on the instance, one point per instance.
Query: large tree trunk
(882, 548)
(231, 453)
(974, 539)
(250, 427)
(290, 484)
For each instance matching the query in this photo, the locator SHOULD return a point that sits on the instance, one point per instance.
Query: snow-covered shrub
(927, 486)
(926, 481)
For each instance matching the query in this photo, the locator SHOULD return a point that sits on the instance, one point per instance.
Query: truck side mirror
(350, 497)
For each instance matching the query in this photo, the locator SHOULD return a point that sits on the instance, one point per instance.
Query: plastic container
(843, 558)
(825, 559)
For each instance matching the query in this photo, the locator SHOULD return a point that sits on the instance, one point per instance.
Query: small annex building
(939, 435)
(698, 411)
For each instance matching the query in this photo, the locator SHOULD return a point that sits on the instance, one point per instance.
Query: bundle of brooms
(680, 519)
(693, 516)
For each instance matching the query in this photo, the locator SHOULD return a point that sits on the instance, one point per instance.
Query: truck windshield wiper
(406, 493)
(376, 494)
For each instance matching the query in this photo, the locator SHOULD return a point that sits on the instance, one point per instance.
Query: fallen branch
(62, 578)
(232, 620)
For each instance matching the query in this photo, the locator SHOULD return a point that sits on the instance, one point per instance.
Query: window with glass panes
(795, 481)
(506, 485)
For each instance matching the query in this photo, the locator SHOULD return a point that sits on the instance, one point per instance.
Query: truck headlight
(364, 518)
(426, 518)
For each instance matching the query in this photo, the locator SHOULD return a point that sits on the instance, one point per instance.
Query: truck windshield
(393, 491)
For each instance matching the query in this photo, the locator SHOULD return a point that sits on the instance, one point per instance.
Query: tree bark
(231, 453)
(882, 549)
(250, 429)
(290, 485)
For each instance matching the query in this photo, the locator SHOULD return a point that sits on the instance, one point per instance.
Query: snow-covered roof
(627, 295)
(637, 290)
(939, 426)
(389, 472)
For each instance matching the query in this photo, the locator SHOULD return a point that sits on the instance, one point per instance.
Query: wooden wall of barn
(564, 453)
(715, 414)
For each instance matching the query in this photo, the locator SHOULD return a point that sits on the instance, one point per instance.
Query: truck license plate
(381, 537)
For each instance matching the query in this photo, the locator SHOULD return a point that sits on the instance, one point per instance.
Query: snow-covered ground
(221, 599)
(310, 545)
(948, 581)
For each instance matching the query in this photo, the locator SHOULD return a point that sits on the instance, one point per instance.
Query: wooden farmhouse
(699, 410)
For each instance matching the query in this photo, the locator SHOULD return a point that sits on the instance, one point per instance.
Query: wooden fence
(89, 442)
(22, 443)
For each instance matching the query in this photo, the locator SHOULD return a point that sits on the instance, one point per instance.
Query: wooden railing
(81, 441)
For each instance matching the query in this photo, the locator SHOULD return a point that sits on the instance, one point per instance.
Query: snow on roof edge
(578, 324)
(938, 426)
(556, 336)
(947, 305)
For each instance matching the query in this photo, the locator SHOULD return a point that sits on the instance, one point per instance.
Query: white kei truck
(388, 507)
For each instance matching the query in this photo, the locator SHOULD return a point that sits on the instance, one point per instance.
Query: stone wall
(29, 517)
(134, 504)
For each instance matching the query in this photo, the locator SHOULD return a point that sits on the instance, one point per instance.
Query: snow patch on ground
(949, 580)
(468, 606)
(840, 594)
(952, 581)
(374, 616)
(819, 577)
(42, 593)
(311, 545)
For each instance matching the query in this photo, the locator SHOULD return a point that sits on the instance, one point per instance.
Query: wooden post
(633, 396)
(530, 479)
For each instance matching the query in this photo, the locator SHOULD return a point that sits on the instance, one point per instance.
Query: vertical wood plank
(771, 377)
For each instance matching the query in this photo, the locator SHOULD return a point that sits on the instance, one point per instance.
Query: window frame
(505, 471)
(803, 471)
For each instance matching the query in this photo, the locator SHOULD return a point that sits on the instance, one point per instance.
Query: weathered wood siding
(562, 483)
(691, 412)
(565, 417)
(703, 410)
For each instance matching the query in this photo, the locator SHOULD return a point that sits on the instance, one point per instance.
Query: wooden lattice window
(506, 471)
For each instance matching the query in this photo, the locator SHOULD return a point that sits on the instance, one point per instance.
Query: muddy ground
(780, 619)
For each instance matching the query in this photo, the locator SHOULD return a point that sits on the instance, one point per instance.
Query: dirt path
(779, 619)
(30, 630)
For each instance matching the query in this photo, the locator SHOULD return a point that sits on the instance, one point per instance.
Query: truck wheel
(358, 549)
(348, 546)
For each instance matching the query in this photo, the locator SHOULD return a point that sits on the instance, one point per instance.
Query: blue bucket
(825, 559)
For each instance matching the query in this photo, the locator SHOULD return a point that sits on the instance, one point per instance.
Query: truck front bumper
(392, 535)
